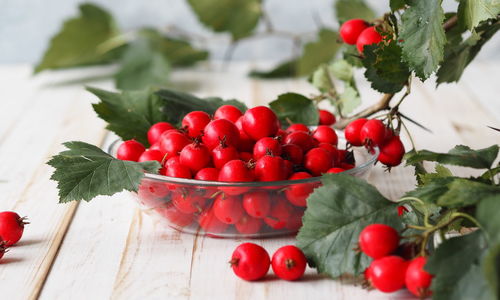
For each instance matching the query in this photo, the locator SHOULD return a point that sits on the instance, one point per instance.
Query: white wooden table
(109, 249)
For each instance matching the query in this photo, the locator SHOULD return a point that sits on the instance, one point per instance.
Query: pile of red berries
(236, 147)
(389, 272)
(369, 133)
(251, 262)
(358, 32)
(11, 230)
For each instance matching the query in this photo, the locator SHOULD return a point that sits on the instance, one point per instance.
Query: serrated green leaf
(441, 171)
(351, 55)
(456, 268)
(473, 12)
(491, 269)
(295, 108)
(129, 114)
(353, 9)
(318, 52)
(349, 99)
(238, 17)
(342, 70)
(463, 192)
(459, 55)
(176, 51)
(423, 36)
(283, 70)
(177, 104)
(84, 171)
(142, 67)
(460, 156)
(396, 4)
(336, 213)
(321, 79)
(76, 44)
(384, 68)
(491, 173)
(487, 215)
(432, 190)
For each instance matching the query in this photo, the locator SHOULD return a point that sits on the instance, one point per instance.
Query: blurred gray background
(27, 25)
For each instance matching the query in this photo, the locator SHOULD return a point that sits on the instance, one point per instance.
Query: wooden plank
(52, 117)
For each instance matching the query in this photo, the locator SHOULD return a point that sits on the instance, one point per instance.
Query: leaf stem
(426, 212)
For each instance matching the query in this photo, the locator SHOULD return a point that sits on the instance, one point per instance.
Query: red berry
(250, 261)
(11, 227)
(220, 130)
(346, 166)
(392, 152)
(130, 150)
(295, 221)
(259, 122)
(245, 143)
(257, 204)
(289, 263)
(288, 165)
(175, 216)
(318, 161)
(172, 142)
(335, 170)
(228, 209)
(195, 122)
(293, 153)
(150, 155)
(298, 193)
(235, 171)
(297, 127)
(248, 225)
(270, 168)
(341, 156)
(350, 30)
(378, 240)
(178, 170)
(325, 134)
(155, 146)
(207, 174)
(352, 132)
(301, 139)
(387, 274)
(223, 153)
(151, 193)
(326, 118)
(188, 203)
(157, 130)
(228, 112)
(417, 280)
(195, 156)
(401, 210)
(209, 222)
(266, 145)
(280, 214)
(369, 36)
(281, 135)
(332, 149)
(246, 156)
(372, 132)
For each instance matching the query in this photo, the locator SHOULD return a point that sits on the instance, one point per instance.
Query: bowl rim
(194, 182)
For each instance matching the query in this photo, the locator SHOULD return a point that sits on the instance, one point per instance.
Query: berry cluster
(251, 262)
(358, 32)
(237, 147)
(389, 272)
(11, 230)
(374, 133)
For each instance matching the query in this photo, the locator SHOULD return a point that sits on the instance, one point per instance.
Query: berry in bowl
(238, 175)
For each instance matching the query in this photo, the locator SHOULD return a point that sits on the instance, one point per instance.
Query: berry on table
(250, 261)
(289, 263)
(130, 150)
(378, 240)
(11, 227)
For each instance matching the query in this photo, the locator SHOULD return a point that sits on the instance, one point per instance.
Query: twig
(382, 104)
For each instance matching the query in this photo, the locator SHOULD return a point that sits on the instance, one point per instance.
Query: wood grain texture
(111, 249)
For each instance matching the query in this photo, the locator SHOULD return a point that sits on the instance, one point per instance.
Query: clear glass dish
(187, 204)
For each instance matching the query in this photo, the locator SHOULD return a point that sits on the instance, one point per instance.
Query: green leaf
(85, 171)
(487, 215)
(295, 108)
(336, 213)
(396, 4)
(463, 192)
(455, 265)
(129, 114)
(351, 55)
(491, 269)
(490, 173)
(423, 36)
(342, 70)
(459, 55)
(238, 17)
(353, 9)
(176, 51)
(441, 171)
(473, 12)
(460, 156)
(349, 99)
(384, 68)
(77, 43)
(318, 52)
(177, 104)
(283, 70)
(142, 67)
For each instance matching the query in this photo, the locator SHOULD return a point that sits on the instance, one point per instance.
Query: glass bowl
(187, 205)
